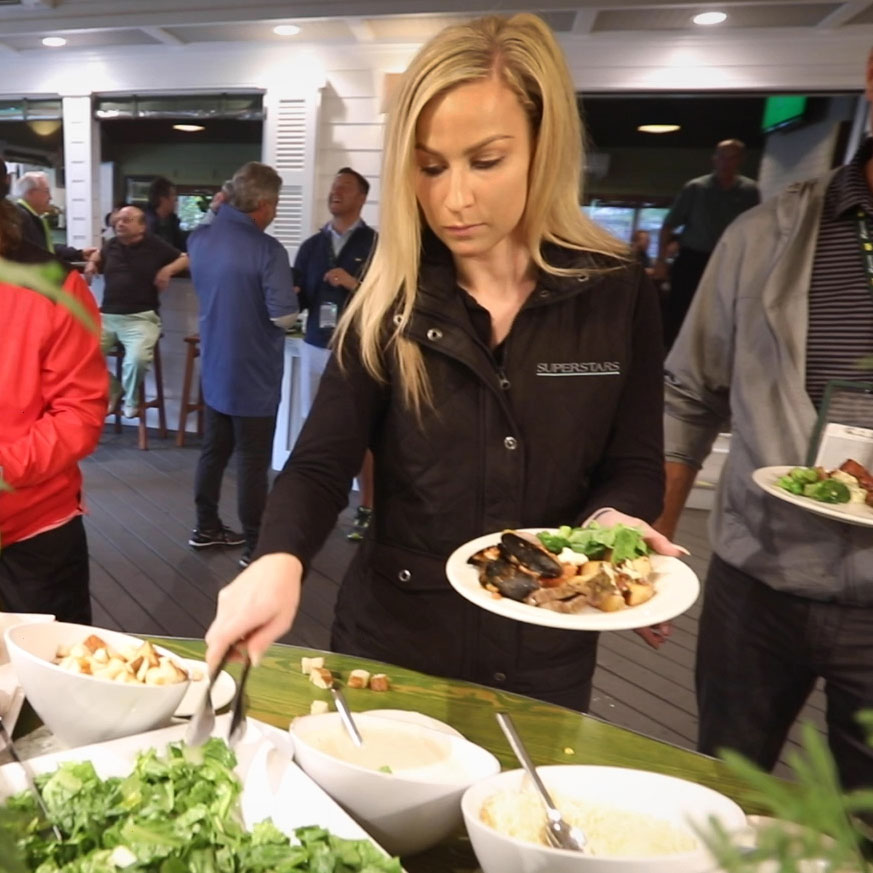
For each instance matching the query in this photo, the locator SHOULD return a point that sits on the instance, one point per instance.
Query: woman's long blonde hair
(524, 52)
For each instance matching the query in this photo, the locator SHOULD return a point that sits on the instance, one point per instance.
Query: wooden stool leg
(143, 437)
(186, 395)
(159, 390)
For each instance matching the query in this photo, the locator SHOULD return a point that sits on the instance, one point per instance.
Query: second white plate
(676, 589)
(222, 691)
(849, 513)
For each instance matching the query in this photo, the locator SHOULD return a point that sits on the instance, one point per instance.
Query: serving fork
(31, 783)
(203, 721)
(559, 833)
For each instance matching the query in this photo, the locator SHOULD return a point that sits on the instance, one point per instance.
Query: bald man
(137, 267)
(704, 208)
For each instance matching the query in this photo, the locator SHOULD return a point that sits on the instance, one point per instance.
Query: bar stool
(144, 404)
(186, 407)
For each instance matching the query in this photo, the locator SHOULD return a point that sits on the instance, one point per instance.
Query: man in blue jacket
(328, 268)
(247, 302)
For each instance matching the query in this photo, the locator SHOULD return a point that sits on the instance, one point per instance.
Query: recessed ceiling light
(54, 41)
(286, 30)
(705, 18)
(189, 128)
(658, 128)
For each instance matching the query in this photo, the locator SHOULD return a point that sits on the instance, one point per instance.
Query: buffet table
(278, 692)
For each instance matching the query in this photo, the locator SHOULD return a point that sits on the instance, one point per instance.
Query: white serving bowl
(82, 709)
(13, 619)
(674, 800)
(407, 811)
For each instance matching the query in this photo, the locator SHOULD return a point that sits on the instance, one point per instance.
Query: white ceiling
(104, 23)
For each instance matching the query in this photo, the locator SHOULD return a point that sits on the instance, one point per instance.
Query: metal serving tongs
(559, 834)
(31, 784)
(203, 721)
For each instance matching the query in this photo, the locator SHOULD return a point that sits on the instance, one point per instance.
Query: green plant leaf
(816, 819)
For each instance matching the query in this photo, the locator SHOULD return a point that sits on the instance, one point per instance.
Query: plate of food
(222, 691)
(185, 809)
(592, 578)
(844, 494)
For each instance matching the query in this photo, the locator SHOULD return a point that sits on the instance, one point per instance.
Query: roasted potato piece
(603, 592)
(637, 592)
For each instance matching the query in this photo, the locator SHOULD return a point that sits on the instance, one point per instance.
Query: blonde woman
(502, 361)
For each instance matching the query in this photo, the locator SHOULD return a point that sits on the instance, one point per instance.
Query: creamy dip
(388, 748)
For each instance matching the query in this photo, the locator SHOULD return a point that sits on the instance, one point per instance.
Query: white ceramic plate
(273, 786)
(676, 589)
(222, 691)
(850, 513)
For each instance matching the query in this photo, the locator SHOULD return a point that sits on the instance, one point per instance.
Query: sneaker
(363, 517)
(130, 412)
(223, 536)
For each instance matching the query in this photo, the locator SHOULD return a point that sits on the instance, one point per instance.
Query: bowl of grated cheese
(635, 821)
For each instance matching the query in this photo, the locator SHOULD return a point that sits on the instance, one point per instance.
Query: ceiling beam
(844, 13)
(362, 31)
(34, 18)
(584, 21)
(162, 35)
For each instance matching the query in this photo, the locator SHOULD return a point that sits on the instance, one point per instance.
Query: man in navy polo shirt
(247, 302)
(327, 270)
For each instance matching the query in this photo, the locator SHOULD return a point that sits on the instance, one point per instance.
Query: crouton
(307, 665)
(321, 677)
(358, 679)
(379, 682)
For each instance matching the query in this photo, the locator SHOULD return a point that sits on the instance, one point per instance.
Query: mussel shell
(530, 555)
(484, 556)
(508, 578)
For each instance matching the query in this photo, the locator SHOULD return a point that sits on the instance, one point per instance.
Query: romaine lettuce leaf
(174, 813)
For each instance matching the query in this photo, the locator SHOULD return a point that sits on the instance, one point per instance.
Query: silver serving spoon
(346, 716)
(31, 784)
(559, 834)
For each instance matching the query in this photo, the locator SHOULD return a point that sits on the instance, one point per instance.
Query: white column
(82, 169)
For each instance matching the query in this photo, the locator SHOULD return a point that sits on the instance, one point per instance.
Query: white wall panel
(82, 165)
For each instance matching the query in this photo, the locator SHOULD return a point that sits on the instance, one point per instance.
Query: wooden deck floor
(145, 579)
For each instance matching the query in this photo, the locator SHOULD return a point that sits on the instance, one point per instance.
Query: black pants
(48, 573)
(685, 275)
(759, 654)
(253, 440)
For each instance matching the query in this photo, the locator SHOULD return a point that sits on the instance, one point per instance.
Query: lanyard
(865, 238)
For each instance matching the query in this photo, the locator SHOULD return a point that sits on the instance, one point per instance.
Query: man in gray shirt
(704, 208)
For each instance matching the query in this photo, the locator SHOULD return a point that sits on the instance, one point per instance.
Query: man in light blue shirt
(246, 293)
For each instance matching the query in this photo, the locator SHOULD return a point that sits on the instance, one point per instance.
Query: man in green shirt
(34, 196)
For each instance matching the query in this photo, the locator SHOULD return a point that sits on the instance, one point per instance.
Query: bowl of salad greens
(177, 810)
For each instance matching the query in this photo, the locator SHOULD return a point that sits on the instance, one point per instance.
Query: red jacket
(53, 395)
